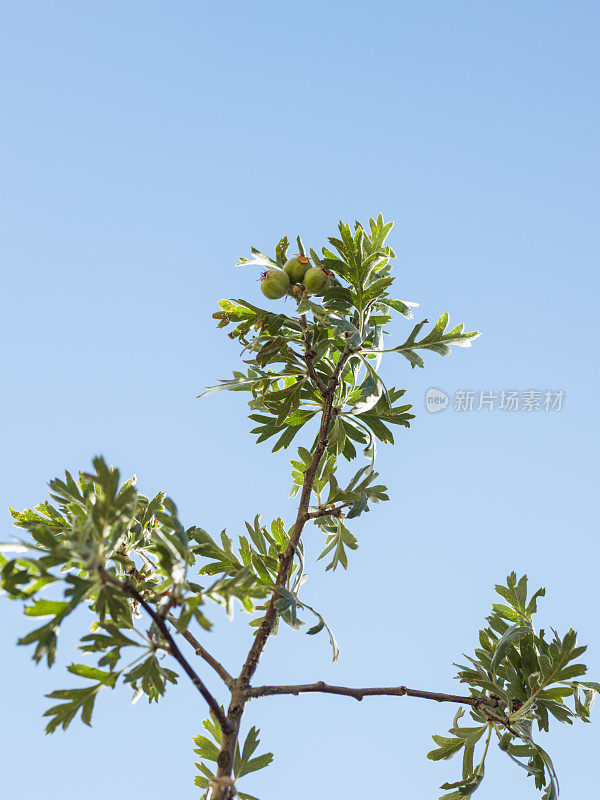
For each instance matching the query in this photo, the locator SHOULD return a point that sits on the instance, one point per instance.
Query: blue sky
(147, 145)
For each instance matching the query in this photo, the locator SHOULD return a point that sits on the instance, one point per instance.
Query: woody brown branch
(286, 560)
(224, 791)
(308, 356)
(203, 653)
(173, 649)
(373, 691)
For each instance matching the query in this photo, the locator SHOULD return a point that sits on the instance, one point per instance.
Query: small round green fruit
(296, 268)
(504, 742)
(315, 280)
(274, 283)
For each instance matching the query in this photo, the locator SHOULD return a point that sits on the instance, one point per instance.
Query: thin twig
(173, 649)
(502, 720)
(203, 653)
(359, 693)
(313, 375)
(334, 511)
(307, 358)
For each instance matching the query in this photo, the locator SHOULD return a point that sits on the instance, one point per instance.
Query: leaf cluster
(245, 762)
(522, 681)
(98, 544)
(294, 359)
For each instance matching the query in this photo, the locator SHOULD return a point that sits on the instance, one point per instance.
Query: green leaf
(205, 748)
(370, 390)
(337, 543)
(281, 251)
(399, 306)
(47, 608)
(437, 340)
(321, 624)
(513, 634)
(258, 259)
(151, 678)
(78, 700)
(446, 747)
(110, 642)
(243, 763)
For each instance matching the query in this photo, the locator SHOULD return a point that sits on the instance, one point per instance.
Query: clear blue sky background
(145, 146)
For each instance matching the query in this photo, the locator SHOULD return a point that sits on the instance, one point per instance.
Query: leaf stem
(487, 743)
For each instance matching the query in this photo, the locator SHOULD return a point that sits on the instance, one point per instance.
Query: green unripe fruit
(296, 268)
(315, 280)
(274, 283)
(504, 741)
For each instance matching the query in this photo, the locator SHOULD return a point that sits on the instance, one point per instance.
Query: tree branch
(308, 359)
(287, 556)
(160, 623)
(334, 511)
(358, 694)
(203, 653)
(240, 686)
(313, 375)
